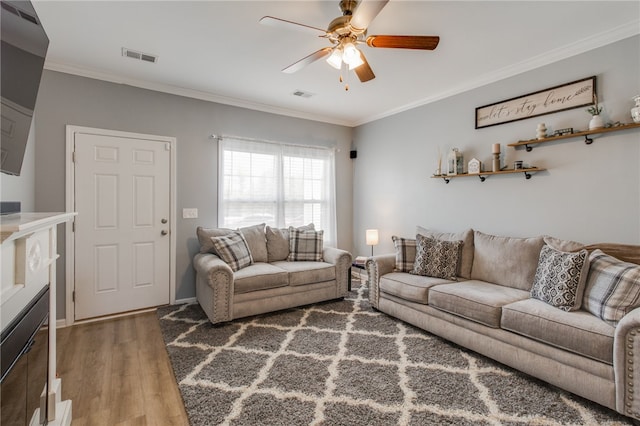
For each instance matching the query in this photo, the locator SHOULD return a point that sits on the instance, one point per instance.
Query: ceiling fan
(348, 31)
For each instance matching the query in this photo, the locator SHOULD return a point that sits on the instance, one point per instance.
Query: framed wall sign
(559, 98)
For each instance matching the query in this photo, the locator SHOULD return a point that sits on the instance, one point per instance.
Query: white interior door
(122, 232)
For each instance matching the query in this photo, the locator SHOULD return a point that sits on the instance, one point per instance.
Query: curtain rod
(242, 138)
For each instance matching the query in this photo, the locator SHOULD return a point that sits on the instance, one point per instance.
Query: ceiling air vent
(302, 94)
(139, 55)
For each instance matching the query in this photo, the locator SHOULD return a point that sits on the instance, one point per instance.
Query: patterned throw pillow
(405, 253)
(278, 241)
(560, 278)
(204, 237)
(305, 245)
(233, 249)
(613, 287)
(437, 258)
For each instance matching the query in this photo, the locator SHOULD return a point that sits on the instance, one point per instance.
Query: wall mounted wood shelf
(483, 175)
(586, 134)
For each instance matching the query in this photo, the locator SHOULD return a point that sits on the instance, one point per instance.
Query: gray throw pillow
(233, 249)
(613, 287)
(466, 256)
(560, 278)
(254, 235)
(305, 245)
(436, 258)
(204, 237)
(405, 253)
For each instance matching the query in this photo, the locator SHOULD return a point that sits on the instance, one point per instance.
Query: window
(280, 185)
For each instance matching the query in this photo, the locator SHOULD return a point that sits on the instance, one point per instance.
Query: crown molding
(189, 93)
(590, 43)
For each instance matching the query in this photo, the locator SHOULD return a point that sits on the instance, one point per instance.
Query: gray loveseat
(270, 282)
(489, 308)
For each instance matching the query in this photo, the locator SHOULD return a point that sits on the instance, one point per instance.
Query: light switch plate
(189, 213)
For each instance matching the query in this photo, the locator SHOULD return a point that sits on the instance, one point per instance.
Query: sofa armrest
(214, 287)
(626, 364)
(342, 260)
(376, 267)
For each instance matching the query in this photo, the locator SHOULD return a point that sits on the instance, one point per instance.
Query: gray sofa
(488, 308)
(270, 282)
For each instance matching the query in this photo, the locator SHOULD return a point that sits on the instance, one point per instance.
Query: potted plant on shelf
(595, 110)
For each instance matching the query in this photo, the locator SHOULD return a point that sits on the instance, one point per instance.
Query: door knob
(164, 232)
(163, 220)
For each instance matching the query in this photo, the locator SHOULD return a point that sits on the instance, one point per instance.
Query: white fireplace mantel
(29, 254)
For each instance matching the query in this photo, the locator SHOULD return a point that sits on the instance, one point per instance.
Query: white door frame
(70, 206)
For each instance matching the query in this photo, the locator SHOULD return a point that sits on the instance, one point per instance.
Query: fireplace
(24, 354)
(27, 299)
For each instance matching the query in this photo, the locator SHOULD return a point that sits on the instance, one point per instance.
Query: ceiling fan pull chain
(344, 70)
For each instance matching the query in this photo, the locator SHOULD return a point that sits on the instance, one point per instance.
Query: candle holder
(496, 161)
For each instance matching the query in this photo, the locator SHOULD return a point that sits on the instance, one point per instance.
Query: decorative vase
(459, 163)
(452, 162)
(596, 122)
(635, 111)
(541, 131)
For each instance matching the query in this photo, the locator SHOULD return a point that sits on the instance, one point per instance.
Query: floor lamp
(372, 238)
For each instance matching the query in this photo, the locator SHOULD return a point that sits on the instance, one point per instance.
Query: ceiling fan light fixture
(350, 54)
(355, 63)
(335, 59)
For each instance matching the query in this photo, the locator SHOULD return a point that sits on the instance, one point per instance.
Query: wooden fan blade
(404, 42)
(365, 12)
(290, 25)
(364, 71)
(318, 54)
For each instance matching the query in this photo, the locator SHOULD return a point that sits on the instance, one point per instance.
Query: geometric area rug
(343, 363)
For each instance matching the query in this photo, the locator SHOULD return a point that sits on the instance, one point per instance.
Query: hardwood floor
(117, 372)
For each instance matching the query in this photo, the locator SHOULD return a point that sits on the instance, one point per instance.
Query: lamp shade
(335, 59)
(372, 237)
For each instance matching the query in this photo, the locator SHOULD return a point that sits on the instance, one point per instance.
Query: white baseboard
(62, 323)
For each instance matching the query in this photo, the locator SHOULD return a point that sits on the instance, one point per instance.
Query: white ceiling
(217, 50)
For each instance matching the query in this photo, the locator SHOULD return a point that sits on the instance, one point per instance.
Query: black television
(23, 48)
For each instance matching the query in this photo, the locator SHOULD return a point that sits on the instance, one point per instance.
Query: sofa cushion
(405, 253)
(414, 288)
(436, 258)
(204, 237)
(507, 261)
(254, 235)
(301, 273)
(624, 252)
(233, 249)
(256, 241)
(560, 278)
(259, 276)
(466, 257)
(475, 300)
(563, 245)
(278, 241)
(305, 245)
(578, 332)
(613, 287)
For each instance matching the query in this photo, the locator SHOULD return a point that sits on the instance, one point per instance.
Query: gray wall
(589, 193)
(67, 99)
(21, 188)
